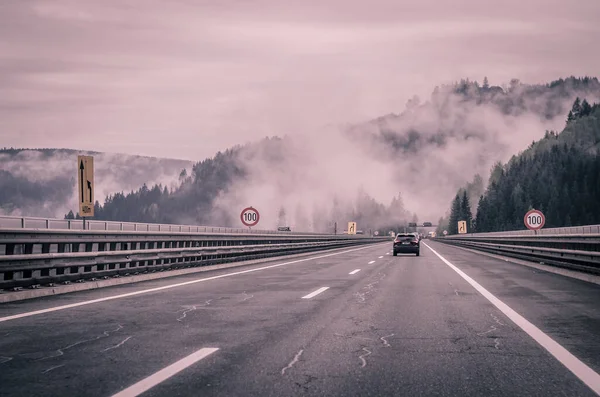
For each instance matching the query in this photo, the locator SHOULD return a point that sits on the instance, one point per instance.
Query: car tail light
(414, 242)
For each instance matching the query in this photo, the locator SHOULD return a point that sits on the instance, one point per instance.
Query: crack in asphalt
(61, 351)
(492, 329)
(118, 344)
(362, 357)
(53, 368)
(185, 312)
(496, 319)
(190, 308)
(294, 361)
(247, 296)
(385, 342)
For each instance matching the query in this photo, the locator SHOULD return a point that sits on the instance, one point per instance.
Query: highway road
(351, 322)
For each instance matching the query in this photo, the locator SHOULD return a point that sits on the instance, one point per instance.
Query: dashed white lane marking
(145, 291)
(354, 271)
(165, 373)
(370, 263)
(577, 367)
(315, 293)
(380, 257)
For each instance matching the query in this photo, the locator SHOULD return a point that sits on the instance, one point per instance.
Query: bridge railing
(559, 231)
(575, 248)
(31, 256)
(15, 222)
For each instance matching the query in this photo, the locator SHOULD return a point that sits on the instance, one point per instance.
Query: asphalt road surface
(353, 322)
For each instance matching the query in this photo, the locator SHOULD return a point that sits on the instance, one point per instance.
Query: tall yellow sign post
(351, 227)
(85, 175)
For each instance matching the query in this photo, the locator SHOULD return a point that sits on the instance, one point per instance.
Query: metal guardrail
(15, 222)
(30, 257)
(575, 248)
(560, 231)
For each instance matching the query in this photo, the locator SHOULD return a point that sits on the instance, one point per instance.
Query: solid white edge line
(370, 263)
(354, 271)
(576, 366)
(315, 293)
(165, 373)
(145, 291)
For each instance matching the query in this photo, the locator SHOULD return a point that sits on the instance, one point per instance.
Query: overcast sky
(185, 78)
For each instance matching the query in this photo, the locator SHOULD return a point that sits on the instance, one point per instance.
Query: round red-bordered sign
(534, 220)
(250, 216)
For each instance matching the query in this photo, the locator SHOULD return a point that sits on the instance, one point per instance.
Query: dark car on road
(406, 243)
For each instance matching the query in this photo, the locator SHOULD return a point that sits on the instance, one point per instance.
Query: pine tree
(480, 220)
(454, 216)
(586, 108)
(576, 109)
(98, 211)
(486, 83)
(465, 211)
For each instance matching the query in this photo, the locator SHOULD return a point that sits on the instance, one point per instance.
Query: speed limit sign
(250, 216)
(534, 220)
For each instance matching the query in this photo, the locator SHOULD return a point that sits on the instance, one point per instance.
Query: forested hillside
(196, 199)
(460, 110)
(559, 175)
(463, 129)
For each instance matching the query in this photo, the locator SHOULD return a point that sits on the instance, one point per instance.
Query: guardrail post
(105, 225)
(121, 226)
(22, 223)
(135, 227)
(47, 223)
